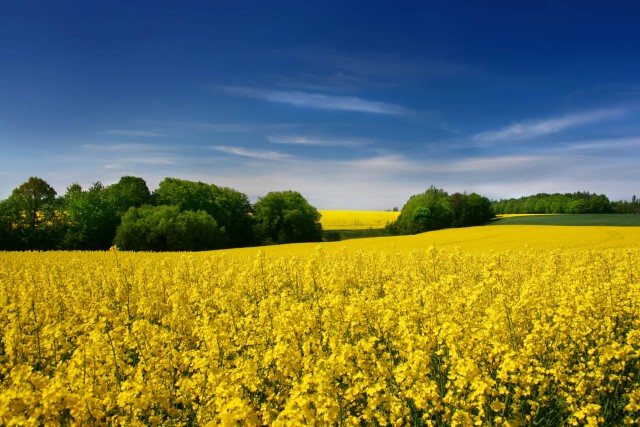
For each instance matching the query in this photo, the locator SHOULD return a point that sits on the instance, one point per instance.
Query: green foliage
(180, 215)
(91, 218)
(435, 209)
(338, 235)
(422, 214)
(543, 203)
(93, 215)
(470, 209)
(430, 210)
(166, 228)
(205, 216)
(7, 226)
(129, 192)
(233, 211)
(627, 207)
(187, 195)
(332, 236)
(33, 201)
(230, 208)
(29, 218)
(286, 217)
(32, 218)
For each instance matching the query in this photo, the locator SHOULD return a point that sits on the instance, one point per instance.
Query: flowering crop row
(435, 337)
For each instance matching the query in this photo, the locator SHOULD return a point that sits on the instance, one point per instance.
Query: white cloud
(310, 140)
(552, 125)
(254, 154)
(148, 161)
(123, 147)
(317, 100)
(382, 67)
(632, 143)
(379, 181)
(492, 164)
(132, 162)
(386, 180)
(385, 163)
(232, 127)
(133, 133)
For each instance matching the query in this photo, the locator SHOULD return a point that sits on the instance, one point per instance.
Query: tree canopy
(91, 217)
(193, 215)
(34, 201)
(179, 215)
(286, 217)
(435, 209)
(29, 216)
(543, 203)
(166, 228)
(130, 191)
(230, 208)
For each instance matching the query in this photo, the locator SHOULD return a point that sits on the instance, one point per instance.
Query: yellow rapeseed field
(506, 326)
(356, 220)
(474, 239)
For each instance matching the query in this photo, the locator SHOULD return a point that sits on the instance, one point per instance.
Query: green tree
(91, 216)
(470, 209)
(599, 204)
(187, 195)
(8, 222)
(435, 209)
(233, 211)
(129, 192)
(33, 202)
(30, 217)
(577, 206)
(422, 217)
(427, 211)
(286, 217)
(166, 228)
(230, 208)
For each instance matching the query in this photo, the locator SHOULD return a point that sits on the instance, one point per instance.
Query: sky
(355, 104)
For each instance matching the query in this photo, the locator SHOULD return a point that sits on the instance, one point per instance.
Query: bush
(435, 209)
(286, 217)
(165, 228)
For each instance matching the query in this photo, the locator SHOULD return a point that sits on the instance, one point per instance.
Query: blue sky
(356, 104)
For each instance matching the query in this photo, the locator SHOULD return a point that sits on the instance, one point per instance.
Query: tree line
(435, 209)
(184, 215)
(180, 215)
(567, 203)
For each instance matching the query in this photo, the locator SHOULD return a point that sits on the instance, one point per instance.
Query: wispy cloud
(317, 100)
(232, 127)
(127, 163)
(123, 147)
(311, 140)
(330, 81)
(533, 129)
(625, 144)
(380, 66)
(490, 164)
(134, 133)
(385, 162)
(254, 154)
(379, 181)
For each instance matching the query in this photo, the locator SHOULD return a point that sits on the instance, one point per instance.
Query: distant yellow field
(356, 220)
